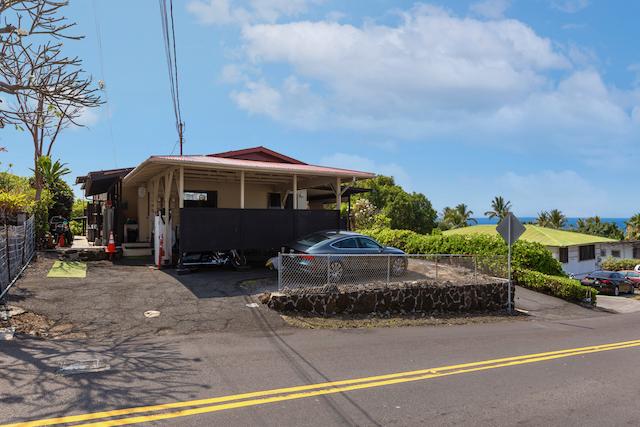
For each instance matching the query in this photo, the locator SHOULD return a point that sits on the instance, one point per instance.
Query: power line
(169, 40)
(102, 84)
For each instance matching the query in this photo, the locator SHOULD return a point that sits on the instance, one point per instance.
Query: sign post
(510, 228)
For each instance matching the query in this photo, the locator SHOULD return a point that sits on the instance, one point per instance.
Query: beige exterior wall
(256, 196)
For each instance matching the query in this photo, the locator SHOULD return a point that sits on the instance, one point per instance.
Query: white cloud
(570, 6)
(355, 162)
(492, 9)
(435, 74)
(292, 102)
(89, 117)
(222, 12)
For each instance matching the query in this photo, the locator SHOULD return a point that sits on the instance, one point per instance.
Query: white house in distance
(579, 253)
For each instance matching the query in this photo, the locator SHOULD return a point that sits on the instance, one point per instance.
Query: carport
(245, 199)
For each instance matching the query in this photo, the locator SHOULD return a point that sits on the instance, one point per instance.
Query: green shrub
(526, 255)
(560, 287)
(615, 264)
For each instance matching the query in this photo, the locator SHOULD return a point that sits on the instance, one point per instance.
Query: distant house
(253, 198)
(578, 253)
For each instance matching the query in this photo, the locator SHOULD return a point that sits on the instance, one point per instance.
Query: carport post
(181, 188)
(295, 191)
(338, 193)
(241, 189)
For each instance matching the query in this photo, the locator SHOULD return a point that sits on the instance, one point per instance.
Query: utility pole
(180, 129)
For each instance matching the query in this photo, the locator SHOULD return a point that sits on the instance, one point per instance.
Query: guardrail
(338, 272)
(17, 247)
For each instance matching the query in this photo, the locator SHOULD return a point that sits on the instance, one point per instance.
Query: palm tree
(557, 219)
(465, 216)
(50, 171)
(500, 208)
(543, 219)
(457, 217)
(633, 227)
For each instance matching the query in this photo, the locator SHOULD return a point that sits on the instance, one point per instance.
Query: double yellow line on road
(165, 411)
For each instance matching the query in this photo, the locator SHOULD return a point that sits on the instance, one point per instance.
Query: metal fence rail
(17, 247)
(328, 273)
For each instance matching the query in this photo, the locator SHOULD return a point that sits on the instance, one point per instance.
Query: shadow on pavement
(141, 373)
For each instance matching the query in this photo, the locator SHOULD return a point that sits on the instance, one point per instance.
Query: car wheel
(398, 266)
(336, 270)
(616, 291)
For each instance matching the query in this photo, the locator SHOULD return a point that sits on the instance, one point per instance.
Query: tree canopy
(406, 211)
(596, 227)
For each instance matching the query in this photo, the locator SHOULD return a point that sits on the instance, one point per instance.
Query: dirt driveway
(112, 299)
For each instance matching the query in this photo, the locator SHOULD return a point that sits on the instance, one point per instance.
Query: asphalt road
(599, 387)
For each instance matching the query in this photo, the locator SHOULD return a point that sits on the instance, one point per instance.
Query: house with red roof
(253, 198)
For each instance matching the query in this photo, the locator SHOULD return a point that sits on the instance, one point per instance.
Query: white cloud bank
(433, 74)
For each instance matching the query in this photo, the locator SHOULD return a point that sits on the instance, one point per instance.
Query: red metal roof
(230, 163)
(258, 154)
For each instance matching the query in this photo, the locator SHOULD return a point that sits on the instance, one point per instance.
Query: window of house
(275, 202)
(563, 255)
(615, 253)
(636, 252)
(587, 252)
(603, 252)
(200, 199)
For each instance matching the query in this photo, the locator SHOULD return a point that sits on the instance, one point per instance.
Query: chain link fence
(17, 247)
(305, 273)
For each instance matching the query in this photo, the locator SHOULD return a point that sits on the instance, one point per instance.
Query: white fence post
(280, 268)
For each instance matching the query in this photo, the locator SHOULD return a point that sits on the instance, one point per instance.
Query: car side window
(346, 244)
(365, 243)
(616, 276)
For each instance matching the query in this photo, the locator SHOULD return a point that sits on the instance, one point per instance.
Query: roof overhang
(156, 165)
(99, 182)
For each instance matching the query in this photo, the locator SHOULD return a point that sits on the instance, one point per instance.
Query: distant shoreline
(571, 222)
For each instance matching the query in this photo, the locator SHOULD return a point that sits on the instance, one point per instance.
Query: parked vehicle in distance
(613, 282)
(337, 244)
(632, 275)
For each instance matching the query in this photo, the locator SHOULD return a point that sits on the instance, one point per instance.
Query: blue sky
(536, 100)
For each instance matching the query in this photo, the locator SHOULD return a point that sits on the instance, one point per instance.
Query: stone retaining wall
(415, 297)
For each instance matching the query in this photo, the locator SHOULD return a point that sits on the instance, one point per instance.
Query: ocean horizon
(571, 221)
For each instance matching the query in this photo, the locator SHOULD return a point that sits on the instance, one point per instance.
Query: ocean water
(571, 222)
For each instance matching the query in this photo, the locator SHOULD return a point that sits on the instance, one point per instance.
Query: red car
(632, 275)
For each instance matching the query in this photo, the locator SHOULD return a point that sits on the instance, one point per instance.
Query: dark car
(632, 275)
(341, 244)
(609, 281)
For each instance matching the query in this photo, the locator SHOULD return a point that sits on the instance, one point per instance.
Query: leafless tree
(47, 90)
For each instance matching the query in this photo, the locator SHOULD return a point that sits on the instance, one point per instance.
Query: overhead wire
(169, 41)
(102, 84)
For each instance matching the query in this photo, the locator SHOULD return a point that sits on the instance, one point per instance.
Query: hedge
(561, 287)
(615, 264)
(526, 255)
